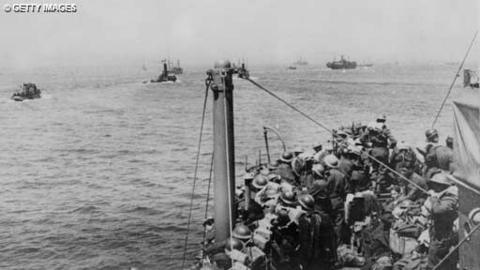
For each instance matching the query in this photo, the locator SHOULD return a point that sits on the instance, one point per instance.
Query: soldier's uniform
(338, 189)
(443, 212)
(437, 157)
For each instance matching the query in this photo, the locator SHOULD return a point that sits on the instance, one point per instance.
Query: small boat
(165, 76)
(28, 91)
(175, 69)
(292, 67)
(242, 72)
(342, 64)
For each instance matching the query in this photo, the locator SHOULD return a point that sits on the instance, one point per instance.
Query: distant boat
(165, 76)
(28, 91)
(292, 67)
(342, 64)
(175, 69)
(301, 62)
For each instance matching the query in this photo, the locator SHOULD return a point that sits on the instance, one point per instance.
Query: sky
(198, 32)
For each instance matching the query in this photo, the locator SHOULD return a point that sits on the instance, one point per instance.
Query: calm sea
(97, 174)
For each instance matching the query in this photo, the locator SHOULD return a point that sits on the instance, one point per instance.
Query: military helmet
(259, 181)
(273, 177)
(342, 133)
(233, 243)
(318, 169)
(272, 190)
(288, 197)
(382, 118)
(431, 133)
(287, 157)
(331, 161)
(242, 232)
(441, 178)
(298, 150)
(248, 176)
(306, 201)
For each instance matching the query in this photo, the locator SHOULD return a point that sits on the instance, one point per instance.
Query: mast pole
(223, 141)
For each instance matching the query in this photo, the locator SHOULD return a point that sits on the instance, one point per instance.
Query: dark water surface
(97, 174)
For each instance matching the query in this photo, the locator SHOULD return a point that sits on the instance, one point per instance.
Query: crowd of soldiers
(363, 200)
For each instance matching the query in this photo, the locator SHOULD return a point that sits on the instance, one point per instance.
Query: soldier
(317, 248)
(379, 138)
(337, 190)
(346, 164)
(442, 206)
(319, 192)
(412, 192)
(284, 234)
(436, 156)
(284, 169)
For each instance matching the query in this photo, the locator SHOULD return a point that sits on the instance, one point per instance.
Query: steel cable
(195, 173)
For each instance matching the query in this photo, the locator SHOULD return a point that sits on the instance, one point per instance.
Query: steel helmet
(342, 134)
(318, 169)
(431, 133)
(441, 178)
(233, 243)
(273, 177)
(331, 161)
(402, 145)
(298, 150)
(306, 201)
(248, 176)
(288, 197)
(259, 181)
(272, 190)
(287, 157)
(354, 149)
(241, 232)
(319, 189)
(382, 118)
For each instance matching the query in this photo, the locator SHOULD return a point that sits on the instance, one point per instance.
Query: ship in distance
(342, 64)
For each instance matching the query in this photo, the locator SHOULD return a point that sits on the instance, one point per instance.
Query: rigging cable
(330, 131)
(456, 247)
(454, 79)
(207, 84)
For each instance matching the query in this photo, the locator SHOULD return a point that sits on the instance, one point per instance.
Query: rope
(330, 131)
(456, 247)
(289, 105)
(195, 173)
(453, 82)
(398, 174)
